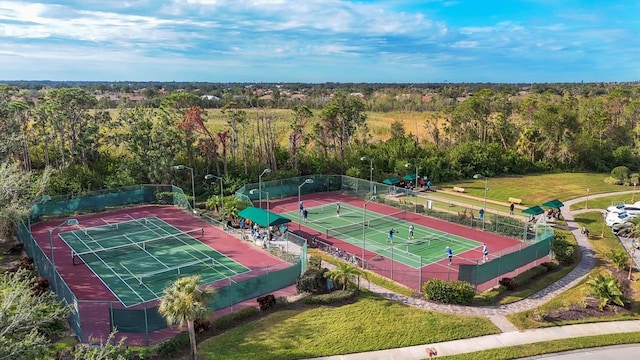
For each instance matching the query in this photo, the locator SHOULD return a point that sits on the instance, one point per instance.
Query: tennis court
(369, 230)
(136, 258)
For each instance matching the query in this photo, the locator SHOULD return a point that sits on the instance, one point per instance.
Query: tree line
(494, 130)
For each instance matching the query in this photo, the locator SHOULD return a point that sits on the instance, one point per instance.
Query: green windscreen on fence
(148, 320)
(101, 200)
(481, 273)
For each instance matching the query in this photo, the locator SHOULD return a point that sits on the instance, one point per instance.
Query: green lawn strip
(536, 189)
(548, 347)
(371, 323)
(500, 296)
(605, 202)
(603, 242)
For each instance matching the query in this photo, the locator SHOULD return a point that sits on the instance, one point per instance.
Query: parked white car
(618, 218)
(628, 208)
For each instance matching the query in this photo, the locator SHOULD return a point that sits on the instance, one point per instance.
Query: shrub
(620, 174)
(173, 345)
(607, 289)
(39, 285)
(550, 265)
(144, 353)
(15, 248)
(618, 258)
(338, 296)
(508, 283)
(26, 263)
(108, 350)
(201, 325)
(315, 262)
(563, 249)
(313, 281)
(449, 292)
(266, 302)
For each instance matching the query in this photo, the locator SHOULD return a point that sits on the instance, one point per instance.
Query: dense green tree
(28, 321)
(342, 116)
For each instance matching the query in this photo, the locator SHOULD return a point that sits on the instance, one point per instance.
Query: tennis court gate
(140, 319)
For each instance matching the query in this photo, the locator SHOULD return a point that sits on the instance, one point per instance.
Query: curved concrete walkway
(510, 335)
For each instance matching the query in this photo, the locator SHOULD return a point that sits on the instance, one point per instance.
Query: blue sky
(316, 41)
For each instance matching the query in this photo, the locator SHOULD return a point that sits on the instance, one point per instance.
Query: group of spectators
(423, 182)
(257, 232)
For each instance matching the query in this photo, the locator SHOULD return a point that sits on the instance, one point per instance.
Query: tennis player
(449, 254)
(485, 252)
(411, 228)
(390, 236)
(338, 209)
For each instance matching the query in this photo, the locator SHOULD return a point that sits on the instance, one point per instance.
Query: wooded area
(491, 129)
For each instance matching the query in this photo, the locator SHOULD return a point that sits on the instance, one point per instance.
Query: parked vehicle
(618, 218)
(622, 229)
(628, 208)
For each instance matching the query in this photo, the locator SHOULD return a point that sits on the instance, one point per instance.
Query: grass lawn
(536, 189)
(371, 323)
(602, 246)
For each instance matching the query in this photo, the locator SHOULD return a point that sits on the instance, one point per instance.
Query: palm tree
(343, 272)
(183, 302)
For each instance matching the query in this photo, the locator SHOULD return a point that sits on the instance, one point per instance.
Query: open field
(536, 189)
(379, 123)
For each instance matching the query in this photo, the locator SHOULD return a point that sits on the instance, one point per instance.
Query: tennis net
(173, 271)
(375, 223)
(124, 249)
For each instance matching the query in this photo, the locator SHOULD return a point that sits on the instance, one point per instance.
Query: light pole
(211, 176)
(364, 158)
(193, 184)
(633, 195)
(53, 261)
(364, 227)
(253, 191)
(586, 203)
(265, 171)
(486, 188)
(307, 181)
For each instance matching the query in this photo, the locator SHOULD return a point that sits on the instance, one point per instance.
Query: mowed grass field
(537, 189)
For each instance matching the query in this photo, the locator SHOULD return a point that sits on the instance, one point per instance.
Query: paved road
(620, 352)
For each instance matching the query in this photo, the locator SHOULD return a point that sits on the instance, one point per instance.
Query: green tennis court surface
(136, 259)
(370, 230)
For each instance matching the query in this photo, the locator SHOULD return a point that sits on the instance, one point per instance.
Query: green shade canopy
(410, 177)
(555, 203)
(534, 210)
(391, 181)
(259, 216)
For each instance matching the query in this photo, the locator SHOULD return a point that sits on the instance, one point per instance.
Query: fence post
(420, 275)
